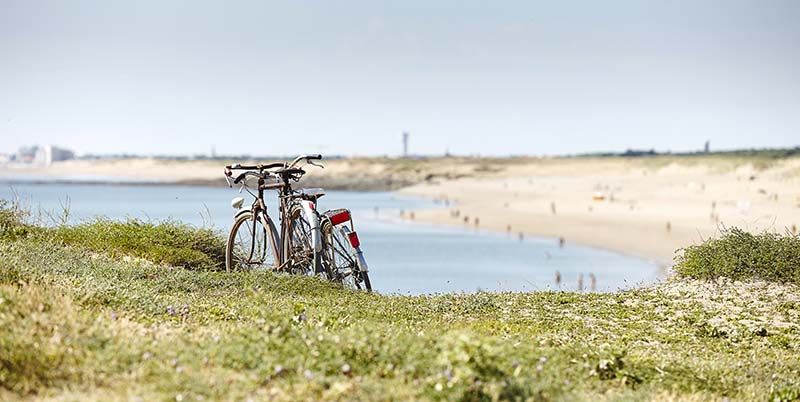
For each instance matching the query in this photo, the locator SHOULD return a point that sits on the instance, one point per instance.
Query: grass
(77, 322)
(741, 255)
(170, 243)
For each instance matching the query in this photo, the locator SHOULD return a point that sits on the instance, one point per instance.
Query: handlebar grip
(291, 171)
(239, 178)
(315, 156)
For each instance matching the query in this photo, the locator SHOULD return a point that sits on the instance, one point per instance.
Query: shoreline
(437, 216)
(640, 207)
(421, 217)
(662, 267)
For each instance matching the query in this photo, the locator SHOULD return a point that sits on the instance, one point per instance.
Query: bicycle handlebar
(239, 166)
(287, 172)
(306, 158)
(287, 168)
(255, 167)
(243, 175)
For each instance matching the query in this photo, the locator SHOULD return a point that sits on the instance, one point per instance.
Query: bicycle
(309, 243)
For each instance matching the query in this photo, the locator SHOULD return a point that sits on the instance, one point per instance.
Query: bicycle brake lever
(310, 162)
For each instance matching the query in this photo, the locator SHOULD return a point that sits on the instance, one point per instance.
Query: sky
(348, 77)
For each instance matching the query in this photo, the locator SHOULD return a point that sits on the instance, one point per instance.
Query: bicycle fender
(313, 221)
(359, 255)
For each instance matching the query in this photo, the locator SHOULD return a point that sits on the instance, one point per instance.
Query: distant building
(26, 154)
(405, 144)
(44, 155)
(61, 154)
(707, 147)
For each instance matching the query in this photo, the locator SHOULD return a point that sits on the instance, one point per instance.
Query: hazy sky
(486, 77)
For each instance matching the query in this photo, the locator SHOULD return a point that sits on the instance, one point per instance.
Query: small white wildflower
(448, 374)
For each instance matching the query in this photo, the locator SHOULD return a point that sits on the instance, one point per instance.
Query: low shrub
(741, 255)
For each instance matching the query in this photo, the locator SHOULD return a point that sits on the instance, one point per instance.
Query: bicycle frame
(286, 198)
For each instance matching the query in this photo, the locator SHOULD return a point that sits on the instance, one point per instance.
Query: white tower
(405, 144)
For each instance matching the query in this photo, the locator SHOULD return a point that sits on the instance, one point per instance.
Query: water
(405, 257)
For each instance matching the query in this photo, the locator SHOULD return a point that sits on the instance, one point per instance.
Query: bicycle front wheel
(252, 244)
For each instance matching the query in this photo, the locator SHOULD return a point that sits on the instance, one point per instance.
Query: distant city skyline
(348, 78)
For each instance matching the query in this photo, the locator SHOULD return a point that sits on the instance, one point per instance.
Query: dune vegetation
(741, 255)
(139, 311)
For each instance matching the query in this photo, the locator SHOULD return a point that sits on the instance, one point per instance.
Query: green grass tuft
(740, 255)
(170, 243)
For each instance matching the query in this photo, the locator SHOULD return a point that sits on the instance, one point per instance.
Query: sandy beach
(643, 207)
(646, 207)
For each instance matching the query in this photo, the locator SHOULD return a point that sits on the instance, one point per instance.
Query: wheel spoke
(301, 252)
(250, 246)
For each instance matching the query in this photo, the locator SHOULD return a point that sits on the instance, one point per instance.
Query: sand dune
(342, 174)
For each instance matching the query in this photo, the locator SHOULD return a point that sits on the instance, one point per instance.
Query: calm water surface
(405, 257)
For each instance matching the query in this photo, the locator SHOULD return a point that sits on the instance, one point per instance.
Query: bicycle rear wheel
(341, 258)
(252, 244)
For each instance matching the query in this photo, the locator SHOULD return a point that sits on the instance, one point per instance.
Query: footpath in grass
(80, 321)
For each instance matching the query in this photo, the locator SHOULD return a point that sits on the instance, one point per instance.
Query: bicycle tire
(269, 241)
(336, 244)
